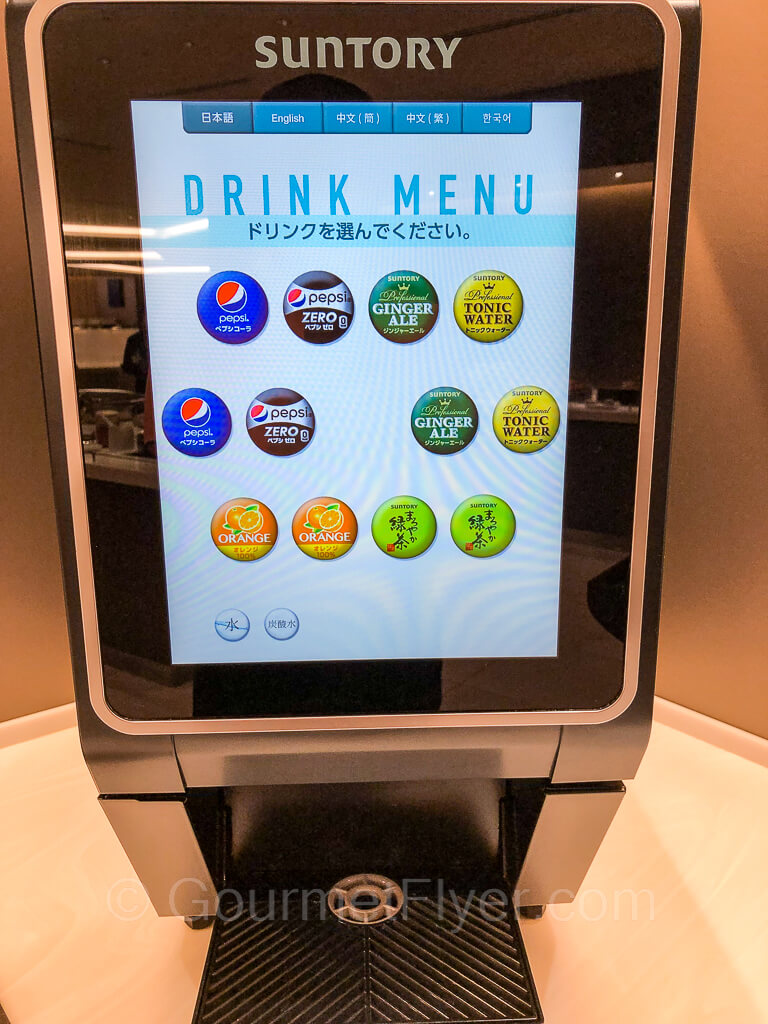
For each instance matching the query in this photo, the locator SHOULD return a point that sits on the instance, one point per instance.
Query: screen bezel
(57, 273)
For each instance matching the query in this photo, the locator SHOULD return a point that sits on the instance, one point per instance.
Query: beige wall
(714, 637)
(34, 653)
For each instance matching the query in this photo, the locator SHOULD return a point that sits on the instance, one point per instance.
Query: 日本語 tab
(233, 118)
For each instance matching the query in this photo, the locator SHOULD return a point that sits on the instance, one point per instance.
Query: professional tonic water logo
(444, 420)
(244, 529)
(324, 528)
(280, 422)
(488, 306)
(404, 526)
(403, 306)
(483, 526)
(196, 422)
(318, 307)
(526, 419)
(232, 307)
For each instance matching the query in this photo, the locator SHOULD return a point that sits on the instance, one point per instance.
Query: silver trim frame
(33, 40)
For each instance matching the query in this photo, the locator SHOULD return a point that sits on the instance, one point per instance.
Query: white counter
(691, 839)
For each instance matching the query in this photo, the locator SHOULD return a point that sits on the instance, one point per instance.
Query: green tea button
(404, 527)
(483, 526)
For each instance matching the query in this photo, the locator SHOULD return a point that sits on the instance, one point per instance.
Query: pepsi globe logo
(195, 412)
(231, 296)
(232, 307)
(196, 422)
(318, 307)
(280, 422)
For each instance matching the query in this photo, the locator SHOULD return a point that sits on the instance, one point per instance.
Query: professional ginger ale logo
(324, 528)
(404, 526)
(488, 306)
(483, 526)
(403, 306)
(526, 419)
(444, 420)
(244, 529)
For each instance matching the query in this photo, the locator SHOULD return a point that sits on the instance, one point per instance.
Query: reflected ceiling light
(112, 254)
(126, 268)
(187, 227)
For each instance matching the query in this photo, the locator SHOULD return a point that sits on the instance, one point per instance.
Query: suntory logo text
(386, 52)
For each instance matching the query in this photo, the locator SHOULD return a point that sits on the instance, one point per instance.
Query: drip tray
(448, 955)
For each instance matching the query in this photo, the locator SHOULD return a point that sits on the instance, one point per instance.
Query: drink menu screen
(359, 324)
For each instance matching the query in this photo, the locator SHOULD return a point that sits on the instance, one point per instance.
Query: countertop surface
(670, 927)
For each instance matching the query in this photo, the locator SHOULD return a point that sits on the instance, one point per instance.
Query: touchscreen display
(359, 324)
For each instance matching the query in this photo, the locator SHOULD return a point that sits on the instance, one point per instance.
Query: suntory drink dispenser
(358, 328)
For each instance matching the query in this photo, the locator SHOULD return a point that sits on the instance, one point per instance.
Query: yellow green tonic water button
(526, 419)
(488, 306)
(483, 526)
(404, 526)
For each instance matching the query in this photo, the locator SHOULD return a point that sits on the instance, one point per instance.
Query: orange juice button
(324, 528)
(244, 529)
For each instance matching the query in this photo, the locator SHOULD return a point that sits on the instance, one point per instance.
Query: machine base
(284, 958)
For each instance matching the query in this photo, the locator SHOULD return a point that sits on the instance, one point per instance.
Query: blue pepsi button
(357, 117)
(498, 118)
(232, 307)
(196, 422)
(288, 117)
(216, 117)
(426, 118)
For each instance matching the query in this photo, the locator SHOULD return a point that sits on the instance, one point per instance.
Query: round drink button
(281, 623)
(232, 307)
(403, 306)
(318, 307)
(196, 422)
(324, 528)
(232, 624)
(244, 529)
(280, 422)
(488, 306)
(404, 526)
(526, 419)
(444, 420)
(483, 526)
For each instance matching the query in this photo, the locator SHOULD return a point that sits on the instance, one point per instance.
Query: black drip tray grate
(457, 958)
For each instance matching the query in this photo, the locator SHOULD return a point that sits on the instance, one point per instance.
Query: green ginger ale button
(404, 526)
(526, 419)
(488, 306)
(444, 420)
(483, 526)
(403, 306)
